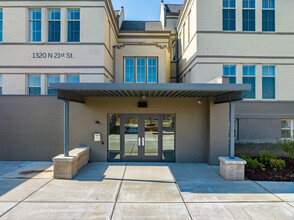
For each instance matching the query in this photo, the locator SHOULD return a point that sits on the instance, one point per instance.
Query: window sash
(268, 20)
(54, 25)
(35, 20)
(229, 19)
(289, 130)
(268, 88)
(248, 3)
(52, 79)
(74, 25)
(73, 78)
(229, 4)
(268, 4)
(248, 19)
(34, 85)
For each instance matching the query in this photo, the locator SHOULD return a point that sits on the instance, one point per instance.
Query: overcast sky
(141, 10)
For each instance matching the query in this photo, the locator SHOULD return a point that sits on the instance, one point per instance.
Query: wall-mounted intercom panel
(97, 136)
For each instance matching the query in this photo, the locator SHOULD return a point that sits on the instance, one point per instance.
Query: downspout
(113, 68)
(177, 57)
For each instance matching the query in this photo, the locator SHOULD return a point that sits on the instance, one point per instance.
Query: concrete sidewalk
(138, 191)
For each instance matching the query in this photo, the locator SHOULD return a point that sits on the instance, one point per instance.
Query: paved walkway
(138, 191)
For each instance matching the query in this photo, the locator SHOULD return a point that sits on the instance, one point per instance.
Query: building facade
(123, 73)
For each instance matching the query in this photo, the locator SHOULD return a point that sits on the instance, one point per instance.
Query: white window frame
(135, 69)
(34, 86)
(252, 9)
(268, 9)
(55, 20)
(287, 129)
(275, 77)
(32, 20)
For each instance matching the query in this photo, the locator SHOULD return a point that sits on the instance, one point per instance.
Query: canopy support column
(66, 127)
(232, 131)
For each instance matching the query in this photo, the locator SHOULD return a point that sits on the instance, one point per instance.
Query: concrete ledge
(232, 169)
(68, 167)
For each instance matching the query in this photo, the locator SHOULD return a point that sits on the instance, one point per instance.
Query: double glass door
(141, 137)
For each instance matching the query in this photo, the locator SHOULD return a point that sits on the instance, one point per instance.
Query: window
(144, 71)
(35, 85)
(74, 25)
(141, 70)
(268, 15)
(1, 25)
(0, 84)
(35, 25)
(287, 128)
(249, 78)
(229, 71)
(184, 37)
(173, 51)
(73, 78)
(189, 26)
(129, 70)
(152, 70)
(268, 82)
(54, 25)
(53, 79)
(248, 15)
(229, 15)
(114, 137)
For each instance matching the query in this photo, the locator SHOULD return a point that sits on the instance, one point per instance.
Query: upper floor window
(73, 78)
(0, 84)
(229, 71)
(248, 15)
(287, 128)
(73, 25)
(268, 15)
(229, 15)
(35, 25)
(249, 78)
(268, 82)
(54, 25)
(140, 70)
(35, 85)
(1, 25)
(173, 51)
(184, 37)
(53, 79)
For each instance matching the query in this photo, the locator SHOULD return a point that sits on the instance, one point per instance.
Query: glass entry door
(141, 137)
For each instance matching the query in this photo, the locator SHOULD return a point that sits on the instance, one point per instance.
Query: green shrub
(287, 146)
(253, 164)
(266, 157)
(277, 164)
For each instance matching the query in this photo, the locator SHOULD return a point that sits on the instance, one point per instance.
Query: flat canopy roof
(77, 92)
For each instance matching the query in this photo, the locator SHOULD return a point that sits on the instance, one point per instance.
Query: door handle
(139, 141)
(143, 141)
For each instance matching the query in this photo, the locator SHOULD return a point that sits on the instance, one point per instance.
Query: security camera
(199, 101)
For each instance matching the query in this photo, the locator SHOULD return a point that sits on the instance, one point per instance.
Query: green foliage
(266, 157)
(277, 164)
(287, 146)
(253, 164)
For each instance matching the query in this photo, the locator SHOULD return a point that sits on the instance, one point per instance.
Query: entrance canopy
(77, 92)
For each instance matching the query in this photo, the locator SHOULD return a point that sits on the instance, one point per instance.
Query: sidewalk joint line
(25, 198)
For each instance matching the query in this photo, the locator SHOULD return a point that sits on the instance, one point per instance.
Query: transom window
(54, 25)
(229, 71)
(73, 78)
(140, 70)
(35, 25)
(35, 85)
(248, 15)
(53, 79)
(268, 15)
(287, 128)
(249, 78)
(73, 25)
(268, 82)
(1, 25)
(229, 15)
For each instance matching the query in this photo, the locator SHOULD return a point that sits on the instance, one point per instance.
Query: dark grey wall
(31, 127)
(261, 121)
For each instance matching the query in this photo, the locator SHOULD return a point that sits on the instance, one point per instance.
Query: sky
(142, 10)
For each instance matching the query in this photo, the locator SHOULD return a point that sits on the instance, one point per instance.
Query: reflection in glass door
(150, 139)
(131, 131)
